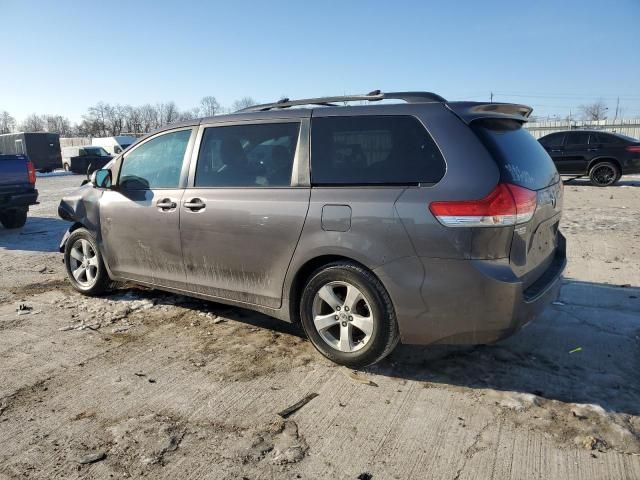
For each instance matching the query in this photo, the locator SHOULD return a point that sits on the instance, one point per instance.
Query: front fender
(82, 208)
(63, 242)
(603, 159)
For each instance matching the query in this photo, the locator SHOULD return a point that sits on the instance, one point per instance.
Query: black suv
(603, 156)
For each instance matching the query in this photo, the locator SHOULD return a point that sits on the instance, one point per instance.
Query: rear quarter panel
(471, 173)
(375, 236)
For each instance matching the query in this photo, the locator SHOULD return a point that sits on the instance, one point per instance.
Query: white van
(113, 145)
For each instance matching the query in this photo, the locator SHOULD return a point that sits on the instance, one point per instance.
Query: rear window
(521, 158)
(608, 139)
(373, 150)
(625, 137)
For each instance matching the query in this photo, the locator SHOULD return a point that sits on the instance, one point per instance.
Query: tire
(82, 255)
(604, 174)
(14, 218)
(341, 340)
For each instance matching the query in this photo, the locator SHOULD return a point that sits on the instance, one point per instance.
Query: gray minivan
(424, 221)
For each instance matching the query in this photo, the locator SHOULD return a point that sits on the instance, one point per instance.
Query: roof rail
(374, 96)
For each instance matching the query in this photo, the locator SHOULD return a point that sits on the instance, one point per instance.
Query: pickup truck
(85, 159)
(17, 189)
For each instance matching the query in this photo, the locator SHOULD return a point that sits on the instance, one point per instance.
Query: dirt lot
(142, 383)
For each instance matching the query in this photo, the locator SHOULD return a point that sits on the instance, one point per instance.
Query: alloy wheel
(604, 174)
(83, 263)
(342, 316)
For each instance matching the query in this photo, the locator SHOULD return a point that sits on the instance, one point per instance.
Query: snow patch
(55, 173)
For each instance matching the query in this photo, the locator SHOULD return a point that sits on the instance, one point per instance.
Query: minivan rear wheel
(84, 265)
(603, 174)
(348, 315)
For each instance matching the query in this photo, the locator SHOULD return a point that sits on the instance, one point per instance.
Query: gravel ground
(141, 383)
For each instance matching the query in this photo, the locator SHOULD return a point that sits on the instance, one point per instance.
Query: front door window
(156, 163)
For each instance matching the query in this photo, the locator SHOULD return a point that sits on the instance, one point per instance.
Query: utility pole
(617, 108)
(491, 97)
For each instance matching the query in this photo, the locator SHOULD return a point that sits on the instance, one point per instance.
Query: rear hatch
(525, 163)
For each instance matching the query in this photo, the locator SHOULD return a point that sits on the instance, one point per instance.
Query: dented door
(142, 237)
(140, 216)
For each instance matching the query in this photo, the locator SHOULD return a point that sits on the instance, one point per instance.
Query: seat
(281, 164)
(235, 170)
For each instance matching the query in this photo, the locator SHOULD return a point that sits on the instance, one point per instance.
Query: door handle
(166, 204)
(195, 204)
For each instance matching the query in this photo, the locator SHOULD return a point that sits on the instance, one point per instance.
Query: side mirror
(101, 178)
(91, 178)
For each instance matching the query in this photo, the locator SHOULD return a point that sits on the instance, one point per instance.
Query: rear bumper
(632, 167)
(18, 200)
(473, 301)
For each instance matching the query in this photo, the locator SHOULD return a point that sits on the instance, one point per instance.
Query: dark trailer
(43, 149)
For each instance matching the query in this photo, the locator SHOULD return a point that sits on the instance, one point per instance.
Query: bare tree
(104, 119)
(189, 114)
(58, 124)
(7, 122)
(160, 109)
(244, 102)
(594, 111)
(33, 123)
(88, 128)
(171, 113)
(97, 117)
(209, 106)
(133, 119)
(115, 119)
(148, 117)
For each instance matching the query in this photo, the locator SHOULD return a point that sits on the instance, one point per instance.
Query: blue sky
(63, 56)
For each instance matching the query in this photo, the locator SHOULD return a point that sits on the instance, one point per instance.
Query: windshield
(96, 151)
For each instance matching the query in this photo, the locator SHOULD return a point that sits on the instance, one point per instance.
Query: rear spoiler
(471, 111)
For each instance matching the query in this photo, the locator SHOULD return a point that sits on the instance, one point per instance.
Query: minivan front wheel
(348, 315)
(84, 265)
(604, 174)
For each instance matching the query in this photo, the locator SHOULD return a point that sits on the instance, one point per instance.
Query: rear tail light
(633, 148)
(506, 205)
(31, 171)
